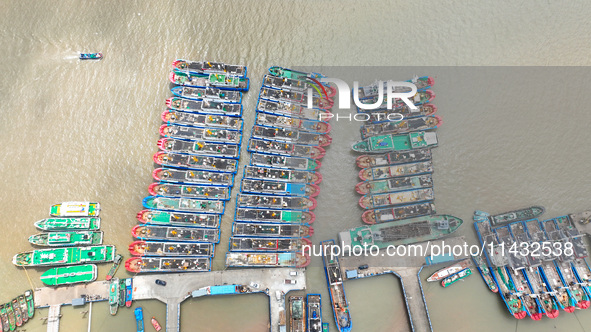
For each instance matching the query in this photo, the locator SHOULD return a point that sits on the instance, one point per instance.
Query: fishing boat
(274, 216)
(565, 224)
(386, 172)
(296, 98)
(268, 173)
(555, 287)
(201, 120)
(182, 176)
(520, 236)
(398, 112)
(334, 279)
(378, 216)
(420, 98)
(268, 259)
(393, 158)
(394, 184)
(91, 56)
(116, 262)
(200, 148)
(220, 81)
(192, 191)
(575, 287)
(213, 94)
(139, 319)
(285, 149)
(312, 126)
(279, 188)
(207, 67)
(314, 312)
(65, 238)
(4, 318)
(391, 142)
(517, 260)
(401, 232)
(545, 298)
(168, 264)
(422, 83)
(292, 110)
(30, 303)
(263, 230)
(583, 273)
(268, 244)
(122, 292)
(23, 306)
(507, 293)
(293, 74)
(183, 204)
(297, 322)
(276, 202)
(401, 127)
(524, 291)
(168, 249)
(68, 275)
(517, 215)
(177, 234)
(155, 324)
(179, 160)
(484, 271)
(290, 135)
(289, 162)
(398, 198)
(128, 292)
(450, 270)
(201, 134)
(63, 224)
(114, 296)
(204, 106)
(17, 312)
(11, 316)
(167, 218)
(276, 82)
(75, 209)
(65, 256)
(455, 277)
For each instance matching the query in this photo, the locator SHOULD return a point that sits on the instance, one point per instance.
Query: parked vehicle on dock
(160, 282)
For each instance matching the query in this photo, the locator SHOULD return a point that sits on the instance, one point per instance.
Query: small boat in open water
(394, 184)
(269, 259)
(191, 191)
(290, 135)
(285, 149)
(201, 120)
(386, 172)
(214, 94)
(200, 148)
(221, 81)
(91, 56)
(168, 264)
(401, 127)
(312, 126)
(201, 134)
(206, 67)
(284, 162)
(377, 216)
(183, 176)
(291, 110)
(385, 143)
(165, 248)
(183, 204)
(393, 158)
(263, 230)
(176, 234)
(274, 216)
(181, 160)
(204, 106)
(276, 202)
(255, 186)
(168, 218)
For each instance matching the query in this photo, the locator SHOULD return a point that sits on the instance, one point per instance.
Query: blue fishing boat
(220, 81)
(139, 319)
(215, 94)
(334, 279)
(128, 292)
(91, 56)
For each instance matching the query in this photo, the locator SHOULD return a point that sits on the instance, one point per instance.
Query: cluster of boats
(197, 160)
(17, 312)
(279, 186)
(449, 275)
(72, 233)
(306, 314)
(537, 267)
(120, 294)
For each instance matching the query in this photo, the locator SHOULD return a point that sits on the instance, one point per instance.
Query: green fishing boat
(23, 305)
(116, 262)
(64, 224)
(75, 209)
(30, 303)
(55, 239)
(384, 143)
(11, 316)
(517, 215)
(69, 275)
(4, 318)
(401, 232)
(65, 256)
(394, 185)
(455, 277)
(291, 74)
(114, 296)
(17, 312)
(122, 292)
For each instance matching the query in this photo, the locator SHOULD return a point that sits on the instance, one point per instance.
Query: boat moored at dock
(285, 149)
(384, 143)
(386, 172)
(456, 277)
(168, 264)
(269, 259)
(200, 148)
(220, 81)
(30, 303)
(193, 191)
(285, 162)
(201, 134)
(65, 238)
(263, 230)
(314, 312)
(294, 97)
(198, 177)
(4, 320)
(449, 270)
(207, 67)
(276, 202)
(65, 256)
(290, 135)
(279, 121)
(268, 244)
(180, 160)
(512, 216)
(279, 188)
(397, 198)
(204, 106)
(297, 322)
(267, 173)
(166, 248)
(167, 218)
(274, 216)
(214, 94)
(336, 290)
(393, 158)
(378, 216)
(291, 110)
(75, 209)
(139, 319)
(176, 234)
(484, 271)
(201, 120)
(69, 275)
(401, 127)
(64, 224)
(394, 184)
(183, 204)
(116, 262)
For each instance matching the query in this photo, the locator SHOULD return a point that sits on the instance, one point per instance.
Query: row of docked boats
(120, 294)
(536, 282)
(306, 314)
(280, 185)
(199, 148)
(17, 312)
(72, 233)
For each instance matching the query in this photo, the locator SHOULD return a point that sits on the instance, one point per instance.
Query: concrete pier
(407, 268)
(51, 296)
(53, 318)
